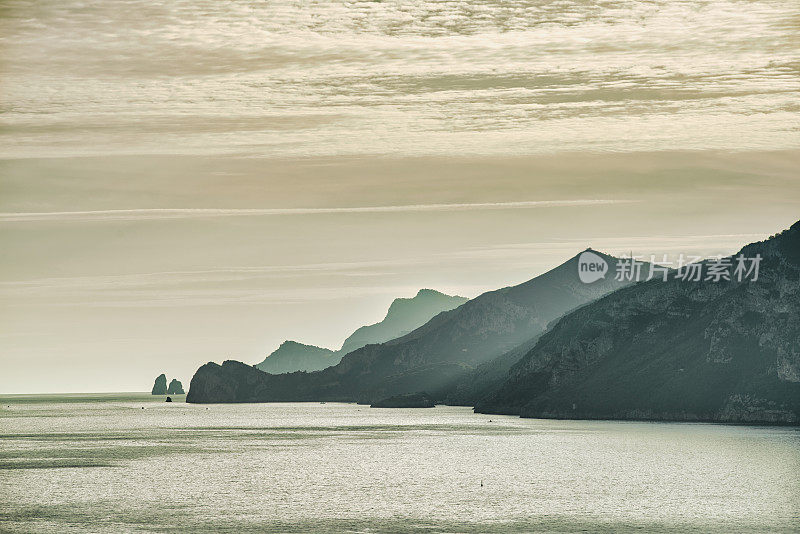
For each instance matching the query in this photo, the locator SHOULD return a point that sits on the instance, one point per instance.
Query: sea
(134, 463)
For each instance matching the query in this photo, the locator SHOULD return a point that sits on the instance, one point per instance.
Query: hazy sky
(197, 180)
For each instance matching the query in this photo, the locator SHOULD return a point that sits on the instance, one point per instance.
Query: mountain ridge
(293, 356)
(430, 358)
(403, 316)
(674, 350)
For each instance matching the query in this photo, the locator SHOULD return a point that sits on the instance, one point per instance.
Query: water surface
(103, 463)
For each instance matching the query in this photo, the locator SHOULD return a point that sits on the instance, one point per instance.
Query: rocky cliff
(726, 351)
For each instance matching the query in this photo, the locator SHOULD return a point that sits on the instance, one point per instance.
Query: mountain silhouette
(293, 356)
(725, 351)
(430, 357)
(404, 315)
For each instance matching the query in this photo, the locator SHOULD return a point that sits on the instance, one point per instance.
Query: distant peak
(421, 294)
(424, 298)
(594, 251)
(289, 343)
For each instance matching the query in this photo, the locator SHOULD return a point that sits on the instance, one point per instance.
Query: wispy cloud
(187, 213)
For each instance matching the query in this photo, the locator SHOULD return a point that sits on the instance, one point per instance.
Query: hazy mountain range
(431, 357)
(404, 315)
(558, 347)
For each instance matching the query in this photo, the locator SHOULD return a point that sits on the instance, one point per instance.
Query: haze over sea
(199, 179)
(102, 463)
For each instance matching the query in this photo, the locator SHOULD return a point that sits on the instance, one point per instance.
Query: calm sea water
(103, 463)
(287, 78)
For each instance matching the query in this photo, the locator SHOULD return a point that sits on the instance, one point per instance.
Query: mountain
(404, 315)
(430, 358)
(724, 351)
(292, 356)
(485, 378)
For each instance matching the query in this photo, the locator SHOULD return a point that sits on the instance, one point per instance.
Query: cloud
(189, 213)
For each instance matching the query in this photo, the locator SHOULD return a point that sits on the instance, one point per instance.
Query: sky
(192, 181)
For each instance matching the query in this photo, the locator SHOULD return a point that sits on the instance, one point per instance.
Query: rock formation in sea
(404, 315)
(724, 351)
(175, 387)
(430, 358)
(408, 400)
(160, 385)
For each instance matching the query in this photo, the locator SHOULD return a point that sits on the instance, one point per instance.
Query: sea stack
(160, 386)
(175, 387)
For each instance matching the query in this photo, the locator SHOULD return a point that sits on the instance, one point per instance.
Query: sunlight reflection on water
(106, 463)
